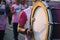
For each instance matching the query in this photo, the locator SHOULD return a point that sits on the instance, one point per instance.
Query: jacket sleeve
(22, 19)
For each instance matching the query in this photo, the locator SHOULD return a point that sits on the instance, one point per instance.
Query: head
(17, 1)
(23, 1)
(0, 1)
(34, 1)
(4, 1)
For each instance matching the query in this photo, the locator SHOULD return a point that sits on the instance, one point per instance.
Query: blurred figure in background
(24, 5)
(2, 20)
(15, 10)
(24, 22)
(8, 12)
(8, 1)
(14, 1)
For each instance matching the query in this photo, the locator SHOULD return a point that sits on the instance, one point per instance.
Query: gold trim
(40, 4)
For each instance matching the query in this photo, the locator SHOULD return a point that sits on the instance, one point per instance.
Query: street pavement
(9, 33)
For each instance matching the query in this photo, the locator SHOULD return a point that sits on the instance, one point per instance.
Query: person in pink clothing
(24, 22)
(2, 20)
(15, 10)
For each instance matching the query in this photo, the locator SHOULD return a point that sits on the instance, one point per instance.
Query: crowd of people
(17, 12)
(10, 9)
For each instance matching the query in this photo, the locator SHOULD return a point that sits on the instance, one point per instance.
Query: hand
(28, 32)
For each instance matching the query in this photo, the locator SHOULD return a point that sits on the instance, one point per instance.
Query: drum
(45, 21)
(39, 21)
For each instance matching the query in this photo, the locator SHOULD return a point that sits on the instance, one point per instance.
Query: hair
(18, 1)
(23, 1)
(35, 0)
(4, 1)
(0, 1)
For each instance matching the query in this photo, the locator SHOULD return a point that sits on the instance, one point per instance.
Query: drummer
(23, 23)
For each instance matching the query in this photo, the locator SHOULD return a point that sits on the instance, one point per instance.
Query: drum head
(39, 21)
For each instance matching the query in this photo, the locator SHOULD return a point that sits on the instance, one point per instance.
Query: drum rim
(35, 6)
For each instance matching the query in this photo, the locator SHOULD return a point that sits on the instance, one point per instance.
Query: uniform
(24, 19)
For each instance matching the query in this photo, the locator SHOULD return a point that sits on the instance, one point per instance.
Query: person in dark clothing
(8, 13)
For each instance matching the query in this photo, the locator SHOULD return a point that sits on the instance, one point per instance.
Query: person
(8, 12)
(24, 22)
(24, 5)
(7, 1)
(15, 10)
(2, 20)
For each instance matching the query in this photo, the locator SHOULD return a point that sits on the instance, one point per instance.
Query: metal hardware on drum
(33, 19)
(53, 8)
(53, 23)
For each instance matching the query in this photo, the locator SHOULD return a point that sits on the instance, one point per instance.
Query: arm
(19, 29)
(22, 22)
